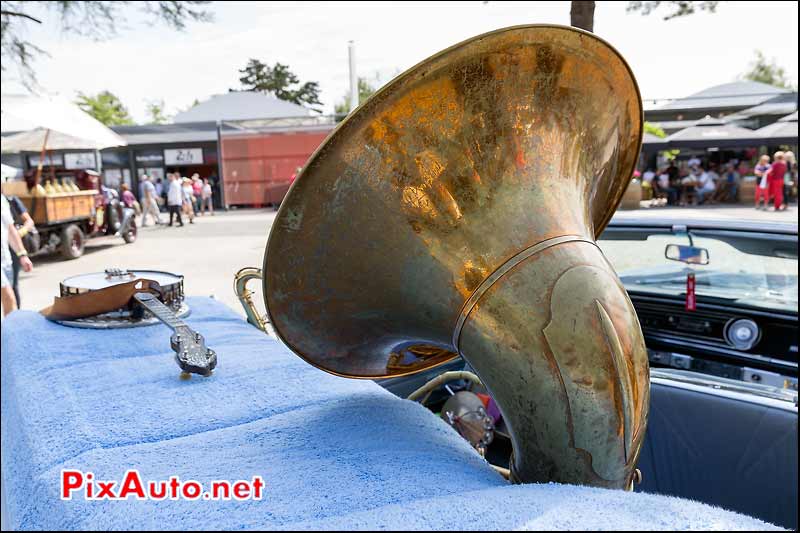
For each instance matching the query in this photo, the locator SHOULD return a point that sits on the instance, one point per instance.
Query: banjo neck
(166, 315)
(191, 352)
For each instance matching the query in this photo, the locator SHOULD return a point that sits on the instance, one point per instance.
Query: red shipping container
(257, 167)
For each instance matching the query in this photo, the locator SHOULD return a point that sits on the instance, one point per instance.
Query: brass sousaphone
(455, 213)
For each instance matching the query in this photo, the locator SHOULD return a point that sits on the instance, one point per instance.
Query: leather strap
(97, 302)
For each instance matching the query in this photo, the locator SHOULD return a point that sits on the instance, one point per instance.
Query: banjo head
(172, 296)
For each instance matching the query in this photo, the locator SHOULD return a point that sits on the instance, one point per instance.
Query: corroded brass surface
(455, 212)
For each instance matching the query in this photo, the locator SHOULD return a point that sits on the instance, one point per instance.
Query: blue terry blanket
(334, 453)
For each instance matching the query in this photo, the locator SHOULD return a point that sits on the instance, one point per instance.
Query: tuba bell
(455, 213)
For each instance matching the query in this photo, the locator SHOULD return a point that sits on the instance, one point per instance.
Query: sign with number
(183, 156)
(79, 160)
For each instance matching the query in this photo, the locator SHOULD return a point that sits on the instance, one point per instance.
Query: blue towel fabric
(334, 453)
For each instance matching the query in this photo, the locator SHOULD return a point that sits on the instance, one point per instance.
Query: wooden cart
(60, 207)
(63, 220)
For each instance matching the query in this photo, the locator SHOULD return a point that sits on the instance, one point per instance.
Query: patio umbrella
(47, 116)
(784, 131)
(67, 123)
(32, 141)
(710, 132)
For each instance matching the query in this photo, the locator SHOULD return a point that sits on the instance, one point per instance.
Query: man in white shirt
(9, 235)
(175, 198)
(705, 185)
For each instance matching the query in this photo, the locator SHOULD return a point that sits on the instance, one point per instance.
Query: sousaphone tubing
(456, 212)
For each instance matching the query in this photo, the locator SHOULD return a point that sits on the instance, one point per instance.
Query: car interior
(722, 425)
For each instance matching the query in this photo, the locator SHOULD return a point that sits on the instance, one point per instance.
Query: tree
(365, 90)
(581, 13)
(106, 108)
(95, 19)
(677, 8)
(767, 72)
(155, 110)
(279, 80)
(652, 129)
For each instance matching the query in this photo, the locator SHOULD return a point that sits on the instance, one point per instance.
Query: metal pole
(353, 78)
(220, 182)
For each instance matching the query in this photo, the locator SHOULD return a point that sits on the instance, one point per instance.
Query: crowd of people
(180, 196)
(692, 182)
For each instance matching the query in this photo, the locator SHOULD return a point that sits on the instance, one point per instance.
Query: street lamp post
(353, 78)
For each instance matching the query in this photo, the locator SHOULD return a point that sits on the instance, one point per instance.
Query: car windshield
(746, 268)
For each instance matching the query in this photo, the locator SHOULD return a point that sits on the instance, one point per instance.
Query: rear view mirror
(686, 254)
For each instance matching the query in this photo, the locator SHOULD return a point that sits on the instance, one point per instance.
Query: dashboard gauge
(742, 333)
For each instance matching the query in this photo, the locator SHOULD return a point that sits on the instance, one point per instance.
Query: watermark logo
(84, 485)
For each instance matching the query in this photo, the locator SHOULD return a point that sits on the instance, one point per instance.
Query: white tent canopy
(32, 141)
(67, 123)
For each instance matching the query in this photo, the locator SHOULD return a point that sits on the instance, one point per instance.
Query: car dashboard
(747, 339)
(729, 342)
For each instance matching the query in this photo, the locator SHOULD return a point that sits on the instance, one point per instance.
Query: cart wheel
(129, 233)
(72, 242)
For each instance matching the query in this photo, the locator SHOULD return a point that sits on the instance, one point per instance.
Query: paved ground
(210, 251)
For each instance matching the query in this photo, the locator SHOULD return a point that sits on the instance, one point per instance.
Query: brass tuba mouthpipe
(556, 341)
(245, 295)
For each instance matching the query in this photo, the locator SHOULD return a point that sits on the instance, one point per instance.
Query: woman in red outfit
(775, 180)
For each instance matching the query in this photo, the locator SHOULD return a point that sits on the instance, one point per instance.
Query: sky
(149, 62)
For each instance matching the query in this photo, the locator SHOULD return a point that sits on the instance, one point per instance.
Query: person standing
(790, 178)
(141, 186)
(207, 198)
(775, 180)
(150, 203)
(25, 228)
(673, 188)
(213, 180)
(161, 191)
(762, 190)
(188, 198)
(197, 191)
(174, 198)
(11, 243)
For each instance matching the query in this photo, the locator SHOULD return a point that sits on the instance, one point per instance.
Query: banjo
(119, 298)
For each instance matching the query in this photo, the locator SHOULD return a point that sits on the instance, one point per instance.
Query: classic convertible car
(723, 420)
(452, 215)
